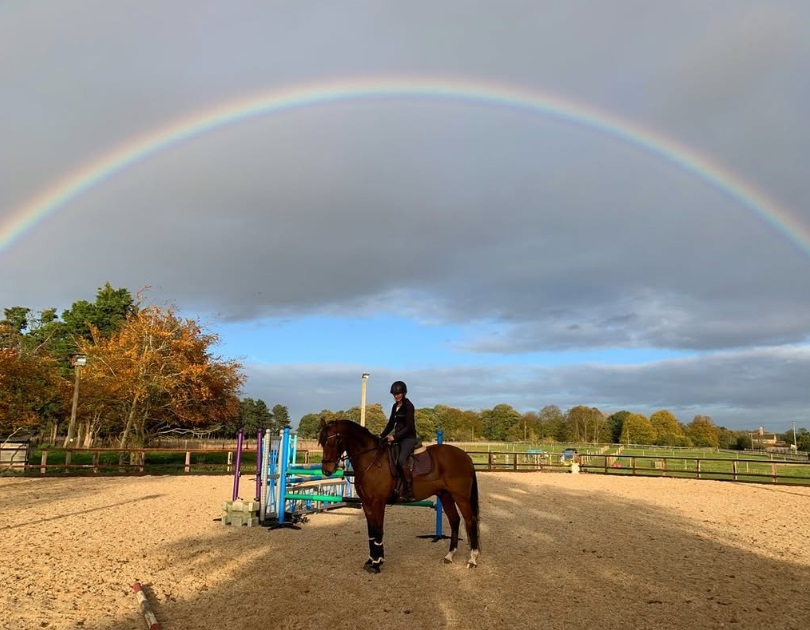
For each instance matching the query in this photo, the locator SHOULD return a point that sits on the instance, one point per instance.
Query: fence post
(188, 461)
(44, 463)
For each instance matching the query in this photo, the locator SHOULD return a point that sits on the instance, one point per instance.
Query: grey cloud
(533, 233)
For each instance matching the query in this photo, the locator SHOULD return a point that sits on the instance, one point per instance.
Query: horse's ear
(323, 422)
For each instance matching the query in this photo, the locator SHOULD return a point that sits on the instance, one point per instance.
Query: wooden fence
(161, 461)
(785, 472)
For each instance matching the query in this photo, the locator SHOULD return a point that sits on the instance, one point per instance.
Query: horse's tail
(474, 495)
(474, 505)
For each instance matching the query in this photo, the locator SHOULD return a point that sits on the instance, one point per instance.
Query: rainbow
(90, 175)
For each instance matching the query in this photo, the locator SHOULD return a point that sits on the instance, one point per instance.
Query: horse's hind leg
(454, 519)
(471, 524)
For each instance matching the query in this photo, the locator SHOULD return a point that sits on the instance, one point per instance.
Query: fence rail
(158, 461)
(785, 472)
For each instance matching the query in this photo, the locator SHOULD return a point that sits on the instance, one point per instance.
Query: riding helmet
(398, 387)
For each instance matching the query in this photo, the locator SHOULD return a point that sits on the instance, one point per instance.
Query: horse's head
(333, 448)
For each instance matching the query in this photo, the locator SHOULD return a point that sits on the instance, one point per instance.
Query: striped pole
(237, 471)
(282, 473)
(148, 615)
(259, 436)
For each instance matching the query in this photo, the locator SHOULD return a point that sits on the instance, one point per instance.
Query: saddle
(420, 461)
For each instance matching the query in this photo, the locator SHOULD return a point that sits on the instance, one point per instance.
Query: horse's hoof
(472, 565)
(447, 561)
(372, 568)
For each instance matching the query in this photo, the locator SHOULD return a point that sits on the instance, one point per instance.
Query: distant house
(762, 440)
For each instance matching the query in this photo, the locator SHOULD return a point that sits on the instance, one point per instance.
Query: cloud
(532, 239)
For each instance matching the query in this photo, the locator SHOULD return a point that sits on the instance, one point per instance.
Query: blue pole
(439, 440)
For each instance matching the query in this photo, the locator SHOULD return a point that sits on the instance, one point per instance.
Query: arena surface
(558, 551)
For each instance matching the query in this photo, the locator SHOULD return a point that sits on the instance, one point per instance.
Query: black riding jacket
(402, 421)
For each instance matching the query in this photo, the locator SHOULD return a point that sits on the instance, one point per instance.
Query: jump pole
(259, 446)
(148, 615)
(237, 470)
(283, 466)
(263, 473)
(439, 535)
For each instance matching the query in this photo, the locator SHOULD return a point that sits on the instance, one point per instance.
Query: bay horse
(451, 478)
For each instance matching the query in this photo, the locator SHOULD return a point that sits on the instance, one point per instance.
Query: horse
(451, 478)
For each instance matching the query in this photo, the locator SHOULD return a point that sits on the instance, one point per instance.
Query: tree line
(580, 424)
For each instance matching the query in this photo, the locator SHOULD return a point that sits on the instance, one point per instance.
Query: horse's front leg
(375, 515)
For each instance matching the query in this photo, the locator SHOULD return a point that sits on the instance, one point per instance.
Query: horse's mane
(348, 427)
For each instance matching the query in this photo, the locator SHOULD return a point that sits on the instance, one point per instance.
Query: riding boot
(407, 483)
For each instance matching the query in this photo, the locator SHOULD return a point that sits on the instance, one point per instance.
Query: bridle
(340, 462)
(341, 458)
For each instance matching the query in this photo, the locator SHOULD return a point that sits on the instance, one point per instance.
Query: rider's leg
(406, 448)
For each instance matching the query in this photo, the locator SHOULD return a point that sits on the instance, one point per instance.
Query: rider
(401, 428)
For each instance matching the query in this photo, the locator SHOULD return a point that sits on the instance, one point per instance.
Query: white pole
(363, 381)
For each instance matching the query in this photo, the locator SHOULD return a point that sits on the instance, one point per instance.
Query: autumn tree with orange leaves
(156, 374)
(31, 389)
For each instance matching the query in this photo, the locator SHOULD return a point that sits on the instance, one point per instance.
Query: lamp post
(79, 361)
(363, 382)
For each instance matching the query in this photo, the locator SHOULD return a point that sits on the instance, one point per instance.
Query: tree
(615, 425)
(498, 421)
(156, 373)
(425, 424)
(586, 424)
(803, 439)
(702, 432)
(16, 319)
(376, 418)
(309, 426)
(280, 417)
(103, 317)
(527, 430)
(31, 391)
(669, 431)
(253, 415)
(552, 423)
(637, 429)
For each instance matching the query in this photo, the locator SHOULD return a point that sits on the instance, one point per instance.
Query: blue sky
(483, 253)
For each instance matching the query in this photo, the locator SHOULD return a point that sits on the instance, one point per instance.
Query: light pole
(363, 382)
(79, 361)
